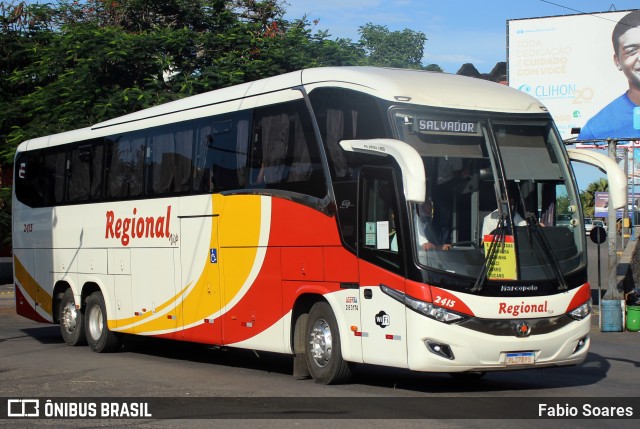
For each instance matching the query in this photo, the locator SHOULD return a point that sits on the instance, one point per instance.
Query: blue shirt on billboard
(615, 120)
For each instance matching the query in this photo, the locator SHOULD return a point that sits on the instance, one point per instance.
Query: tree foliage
(392, 48)
(588, 196)
(70, 64)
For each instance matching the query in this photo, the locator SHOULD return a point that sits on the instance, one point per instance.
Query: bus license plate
(523, 358)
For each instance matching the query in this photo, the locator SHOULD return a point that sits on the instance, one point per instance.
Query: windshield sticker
(382, 233)
(503, 264)
(370, 234)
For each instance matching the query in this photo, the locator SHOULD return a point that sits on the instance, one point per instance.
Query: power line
(580, 11)
(561, 6)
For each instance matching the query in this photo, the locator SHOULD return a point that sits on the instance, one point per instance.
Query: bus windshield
(499, 201)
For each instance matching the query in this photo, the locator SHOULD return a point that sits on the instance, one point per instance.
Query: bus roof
(395, 85)
(428, 88)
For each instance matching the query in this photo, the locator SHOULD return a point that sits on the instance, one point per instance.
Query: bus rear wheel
(71, 321)
(323, 350)
(99, 337)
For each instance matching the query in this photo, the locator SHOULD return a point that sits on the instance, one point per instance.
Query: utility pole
(612, 283)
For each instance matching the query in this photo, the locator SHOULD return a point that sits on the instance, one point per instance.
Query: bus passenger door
(200, 279)
(381, 246)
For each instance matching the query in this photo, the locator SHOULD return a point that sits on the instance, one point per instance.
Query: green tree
(562, 204)
(588, 196)
(392, 48)
(70, 64)
(75, 63)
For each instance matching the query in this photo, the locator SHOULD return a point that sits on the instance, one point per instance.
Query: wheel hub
(69, 317)
(95, 322)
(320, 342)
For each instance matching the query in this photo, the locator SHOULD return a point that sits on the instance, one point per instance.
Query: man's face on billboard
(628, 56)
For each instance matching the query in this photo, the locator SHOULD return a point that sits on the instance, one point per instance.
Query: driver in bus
(490, 222)
(426, 233)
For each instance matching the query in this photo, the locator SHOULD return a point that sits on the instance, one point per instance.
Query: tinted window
(284, 153)
(343, 115)
(226, 152)
(221, 153)
(29, 183)
(55, 169)
(125, 166)
(85, 172)
(168, 156)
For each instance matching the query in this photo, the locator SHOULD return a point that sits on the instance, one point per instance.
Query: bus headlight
(581, 312)
(428, 309)
(425, 308)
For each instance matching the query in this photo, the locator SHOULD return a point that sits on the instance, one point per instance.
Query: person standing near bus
(621, 117)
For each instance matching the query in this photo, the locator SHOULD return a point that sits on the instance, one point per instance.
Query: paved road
(35, 362)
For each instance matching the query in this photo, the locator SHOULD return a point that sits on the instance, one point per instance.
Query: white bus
(332, 214)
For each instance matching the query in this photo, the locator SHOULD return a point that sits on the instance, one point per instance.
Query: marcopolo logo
(127, 228)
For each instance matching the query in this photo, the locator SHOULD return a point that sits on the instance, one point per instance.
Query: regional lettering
(125, 229)
(522, 308)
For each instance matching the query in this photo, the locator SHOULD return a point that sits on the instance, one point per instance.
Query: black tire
(71, 321)
(322, 347)
(99, 337)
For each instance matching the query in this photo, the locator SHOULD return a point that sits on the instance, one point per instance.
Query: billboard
(568, 63)
(602, 205)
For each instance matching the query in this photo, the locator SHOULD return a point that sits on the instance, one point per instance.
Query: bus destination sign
(445, 126)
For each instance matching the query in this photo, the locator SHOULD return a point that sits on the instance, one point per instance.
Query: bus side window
(221, 153)
(54, 175)
(85, 174)
(169, 163)
(344, 114)
(28, 182)
(125, 166)
(284, 154)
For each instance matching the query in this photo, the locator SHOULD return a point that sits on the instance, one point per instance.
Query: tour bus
(337, 215)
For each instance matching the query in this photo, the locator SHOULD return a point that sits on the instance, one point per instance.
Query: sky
(457, 31)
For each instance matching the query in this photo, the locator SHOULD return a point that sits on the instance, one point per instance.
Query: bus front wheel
(71, 321)
(99, 337)
(323, 350)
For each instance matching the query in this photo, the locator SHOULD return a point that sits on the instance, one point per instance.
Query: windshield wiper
(497, 239)
(534, 226)
(504, 210)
